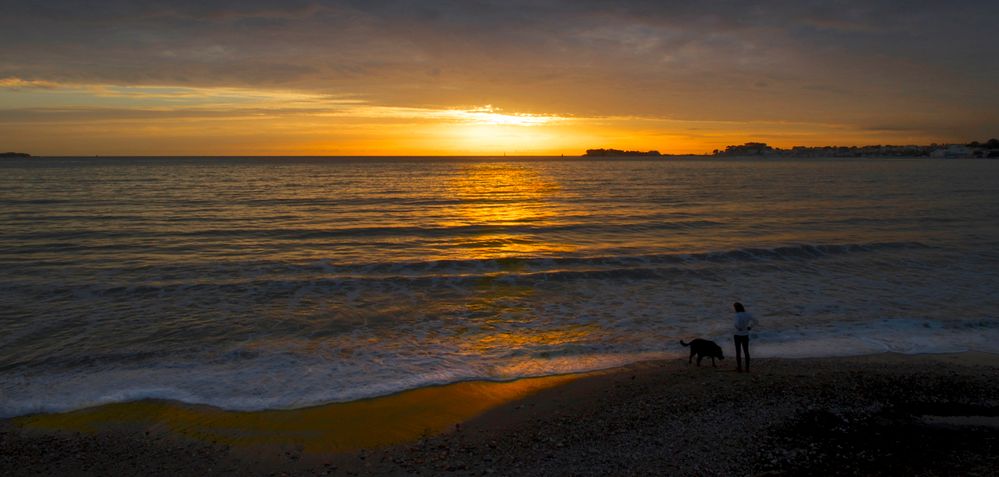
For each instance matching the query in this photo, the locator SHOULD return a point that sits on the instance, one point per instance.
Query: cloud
(17, 84)
(843, 61)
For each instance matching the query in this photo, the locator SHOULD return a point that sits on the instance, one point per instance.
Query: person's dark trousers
(742, 341)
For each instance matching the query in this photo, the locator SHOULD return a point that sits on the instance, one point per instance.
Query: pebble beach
(884, 414)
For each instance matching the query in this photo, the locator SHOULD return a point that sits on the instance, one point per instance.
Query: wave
(789, 252)
(284, 378)
(278, 278)
(521, 228)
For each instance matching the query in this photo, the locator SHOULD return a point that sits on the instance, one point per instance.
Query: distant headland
(974, 149)
(618, 153)
(14, 154)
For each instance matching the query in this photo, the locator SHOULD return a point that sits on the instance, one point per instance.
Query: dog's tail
(685, 344)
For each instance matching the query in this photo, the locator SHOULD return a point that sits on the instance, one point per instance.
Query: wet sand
(883, 414)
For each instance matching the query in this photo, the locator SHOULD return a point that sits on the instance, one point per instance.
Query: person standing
(744, 322)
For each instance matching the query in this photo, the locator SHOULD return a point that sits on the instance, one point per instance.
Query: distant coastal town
(974, 149)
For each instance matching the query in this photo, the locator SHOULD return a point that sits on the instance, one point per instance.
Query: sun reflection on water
(514, 204)
(507, 200)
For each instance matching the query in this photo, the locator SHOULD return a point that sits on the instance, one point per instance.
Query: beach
(879, 414)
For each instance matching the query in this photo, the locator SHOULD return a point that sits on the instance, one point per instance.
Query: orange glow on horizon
(162, 120)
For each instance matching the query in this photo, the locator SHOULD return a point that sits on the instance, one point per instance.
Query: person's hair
(738, 307)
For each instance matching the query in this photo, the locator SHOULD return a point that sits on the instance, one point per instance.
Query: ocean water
(252, 283)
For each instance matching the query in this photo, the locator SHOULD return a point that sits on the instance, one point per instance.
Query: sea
(276, 283)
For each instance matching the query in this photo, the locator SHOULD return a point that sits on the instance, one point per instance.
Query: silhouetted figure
(744, 322)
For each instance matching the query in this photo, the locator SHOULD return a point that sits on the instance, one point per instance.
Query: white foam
(906, 336)
(259, 386)
(281, 378)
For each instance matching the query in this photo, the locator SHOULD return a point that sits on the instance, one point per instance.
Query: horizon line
(583, 154)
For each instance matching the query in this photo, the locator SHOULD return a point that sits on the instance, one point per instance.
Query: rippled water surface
(284, 282)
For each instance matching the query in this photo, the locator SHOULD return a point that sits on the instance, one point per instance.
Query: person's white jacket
(744, 322)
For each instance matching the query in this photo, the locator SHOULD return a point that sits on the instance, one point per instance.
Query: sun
(495, 139)
(487, 129)
(492, 116)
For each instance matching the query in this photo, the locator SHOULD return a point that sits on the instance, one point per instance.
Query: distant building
(748, 149)
(953, 151)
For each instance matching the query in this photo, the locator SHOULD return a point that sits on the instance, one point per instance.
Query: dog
(704, 348)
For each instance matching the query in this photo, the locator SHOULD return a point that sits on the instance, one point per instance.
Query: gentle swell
(792, 252)
(523, 271)
(358, 232)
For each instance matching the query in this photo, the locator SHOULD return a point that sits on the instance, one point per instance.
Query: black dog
(704, 348)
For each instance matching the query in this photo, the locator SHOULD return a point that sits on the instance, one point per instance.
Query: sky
(490, 77)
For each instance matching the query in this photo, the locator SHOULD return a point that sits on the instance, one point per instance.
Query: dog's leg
(713, 362)
(699, 358)
(691, 360)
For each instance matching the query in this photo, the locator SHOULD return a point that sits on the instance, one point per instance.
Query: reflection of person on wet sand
(744, 322)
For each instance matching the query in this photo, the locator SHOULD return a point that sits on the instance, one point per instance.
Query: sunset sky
(490, 77)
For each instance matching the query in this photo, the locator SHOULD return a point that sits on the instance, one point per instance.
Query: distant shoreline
(646, 158)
